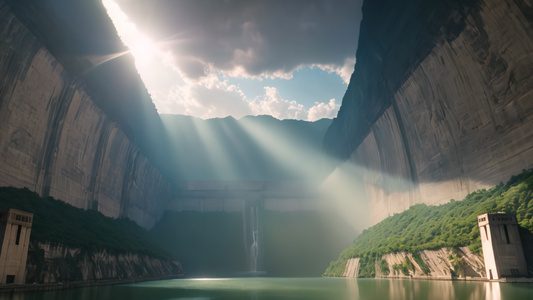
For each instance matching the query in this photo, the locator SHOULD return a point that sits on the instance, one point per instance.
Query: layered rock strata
(440, 103)
(56, 141)
(56, 263)
(439, 263)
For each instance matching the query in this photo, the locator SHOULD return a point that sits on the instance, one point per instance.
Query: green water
(291, 288)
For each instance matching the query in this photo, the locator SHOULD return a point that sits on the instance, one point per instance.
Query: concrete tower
(15, 229)
(502, 248)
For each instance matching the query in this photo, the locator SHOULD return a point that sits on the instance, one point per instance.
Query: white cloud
(189, 85)
(273, 104)
(345, 71)
(207, 98)
(252, 38)
(323, 110)
(214, 98)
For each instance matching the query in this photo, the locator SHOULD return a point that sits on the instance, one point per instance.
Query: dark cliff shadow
(527, 244)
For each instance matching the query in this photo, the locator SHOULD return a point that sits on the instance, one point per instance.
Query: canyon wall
(440, 102)
(55, 140)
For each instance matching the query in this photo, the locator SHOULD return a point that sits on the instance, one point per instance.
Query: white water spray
(254, 248)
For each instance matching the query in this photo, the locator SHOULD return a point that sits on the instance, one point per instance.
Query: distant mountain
(251, 148)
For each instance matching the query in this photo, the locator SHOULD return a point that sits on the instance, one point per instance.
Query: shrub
(384, 267)
(57, 222)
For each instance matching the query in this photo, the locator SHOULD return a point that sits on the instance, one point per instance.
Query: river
(290, 288)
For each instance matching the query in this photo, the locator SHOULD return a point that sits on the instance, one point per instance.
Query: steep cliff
(57, 140)
(439, 104)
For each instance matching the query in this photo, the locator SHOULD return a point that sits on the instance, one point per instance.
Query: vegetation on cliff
(57, 222)
(451, 225)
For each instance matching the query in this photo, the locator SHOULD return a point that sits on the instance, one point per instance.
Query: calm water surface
(291, 288)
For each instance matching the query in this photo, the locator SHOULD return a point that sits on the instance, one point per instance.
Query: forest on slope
(57, 222)
(450, 225)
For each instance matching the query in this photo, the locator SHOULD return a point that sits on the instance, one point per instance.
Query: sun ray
(140, 46)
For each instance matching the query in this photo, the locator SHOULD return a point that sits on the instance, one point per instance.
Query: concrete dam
(251, 202)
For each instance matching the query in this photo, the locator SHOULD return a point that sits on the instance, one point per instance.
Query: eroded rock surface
(440, 103)
(56, 141)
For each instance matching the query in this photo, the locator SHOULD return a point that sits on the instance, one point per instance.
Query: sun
(143, 50)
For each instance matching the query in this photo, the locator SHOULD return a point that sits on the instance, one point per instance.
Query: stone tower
(502, 248)
(15, 229)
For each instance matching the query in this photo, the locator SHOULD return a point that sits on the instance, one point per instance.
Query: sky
(291, 59)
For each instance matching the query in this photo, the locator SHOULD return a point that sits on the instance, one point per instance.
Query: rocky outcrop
(440, 103)
(432, 264)
(440, 264)
(352, 268)
(58, 142)
(56, 263)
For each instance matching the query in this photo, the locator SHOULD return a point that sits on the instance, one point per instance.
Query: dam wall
(237, 196)
(440, 103)
(56, 141)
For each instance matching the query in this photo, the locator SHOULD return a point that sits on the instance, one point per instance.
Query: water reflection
(361, 289)
(492, 291)
(291, 288)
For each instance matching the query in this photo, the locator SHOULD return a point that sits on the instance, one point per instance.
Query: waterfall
(254, 248)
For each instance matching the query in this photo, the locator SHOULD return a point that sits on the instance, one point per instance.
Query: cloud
(273, 104)
(209, 98)
(345, 71)
(323, 110)
(188, 83)
(251, 37)
(214, 98)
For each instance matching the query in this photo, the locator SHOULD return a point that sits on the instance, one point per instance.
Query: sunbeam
(144, 50)
(296, 160)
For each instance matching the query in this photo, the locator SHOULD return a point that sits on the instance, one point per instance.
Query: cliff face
(56, 141)
(440, 103)
(437, 263)
(56, 263)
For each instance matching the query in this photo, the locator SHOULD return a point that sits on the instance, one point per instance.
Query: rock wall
(439, 262)
(440, 103)
(56, 263)
(352, 268)
(56, 141)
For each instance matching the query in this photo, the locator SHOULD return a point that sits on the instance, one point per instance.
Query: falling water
(254, 248)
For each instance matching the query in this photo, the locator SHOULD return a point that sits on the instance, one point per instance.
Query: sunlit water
(292, 288)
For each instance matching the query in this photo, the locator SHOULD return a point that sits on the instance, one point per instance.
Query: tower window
(10, 279)
(17, 241)
(506, 234)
